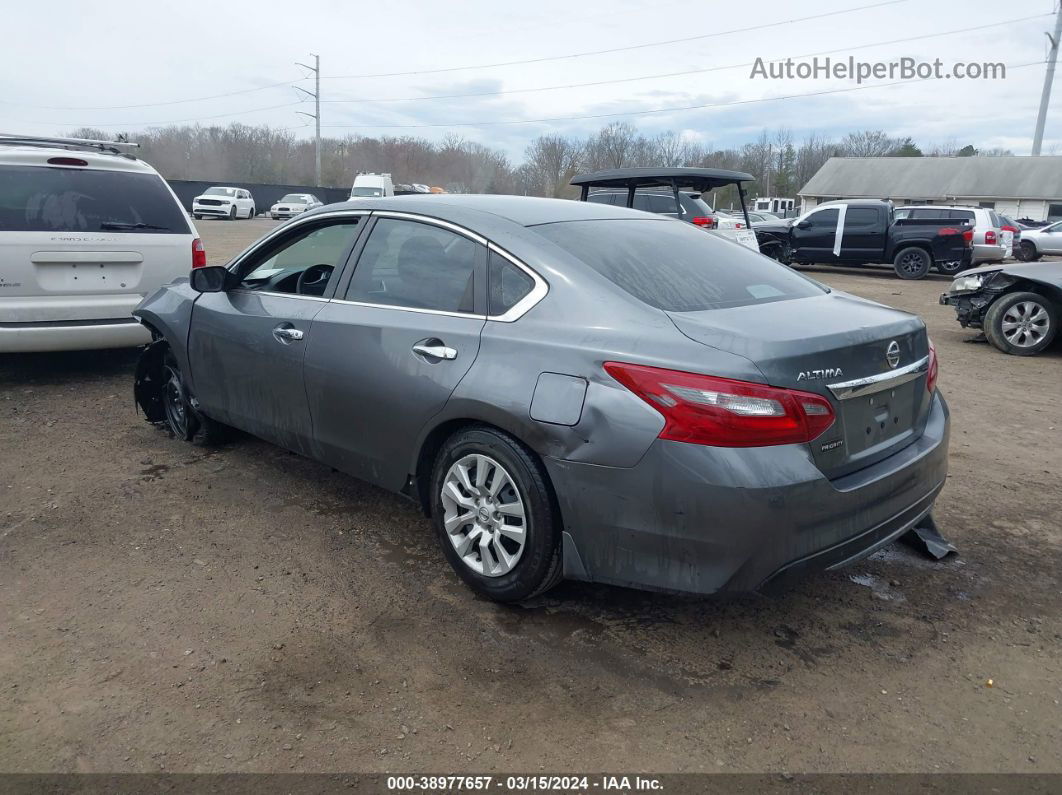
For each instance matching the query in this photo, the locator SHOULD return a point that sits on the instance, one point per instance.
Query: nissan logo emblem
(892, 353)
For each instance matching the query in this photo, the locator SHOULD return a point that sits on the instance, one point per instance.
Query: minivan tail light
(705, 221)
(990, 237)
(934, 369)
(198, 254)
(722, 412)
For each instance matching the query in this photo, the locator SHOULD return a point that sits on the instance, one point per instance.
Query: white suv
(85, 234)
(220, 202)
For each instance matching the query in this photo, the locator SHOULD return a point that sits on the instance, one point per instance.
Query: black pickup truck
(865, 231)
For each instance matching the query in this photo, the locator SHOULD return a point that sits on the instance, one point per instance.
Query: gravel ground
(164, 607)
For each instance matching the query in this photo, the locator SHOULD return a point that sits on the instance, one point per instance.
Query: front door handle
(435, 350)
(286, 333)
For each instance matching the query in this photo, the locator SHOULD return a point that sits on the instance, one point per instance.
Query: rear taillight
(1009, 228)
(990, 237)
(705, 221)
(738, 225)
(931, 374)
(967, 236)
(198, 254)
(703, 409)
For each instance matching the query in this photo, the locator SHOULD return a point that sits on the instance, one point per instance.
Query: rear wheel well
(421, 479)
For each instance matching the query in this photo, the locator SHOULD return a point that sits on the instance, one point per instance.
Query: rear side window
(417, 266)
(507, 284)
(860, 216)
(604, 198)
(677, 267)
(960, 215)
(49, 199)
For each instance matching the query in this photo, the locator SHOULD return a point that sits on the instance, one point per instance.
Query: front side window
(823, 220)
(49, 199)
(677, 267)
(302, 265)
(416, 266)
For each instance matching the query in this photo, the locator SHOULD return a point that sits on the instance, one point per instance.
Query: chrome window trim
(881, 382)
(422, 310)
(245, 291)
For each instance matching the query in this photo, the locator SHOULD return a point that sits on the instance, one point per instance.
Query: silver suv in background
(86, 232)
(988, 238)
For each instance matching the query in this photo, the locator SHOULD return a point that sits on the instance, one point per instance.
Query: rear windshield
(363, 191)
(678, 267)
(48, 199)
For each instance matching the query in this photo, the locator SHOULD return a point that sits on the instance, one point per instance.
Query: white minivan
(85, 233)
(367, 185)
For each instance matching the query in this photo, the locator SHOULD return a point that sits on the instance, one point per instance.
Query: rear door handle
(285, 333)
(435, 350)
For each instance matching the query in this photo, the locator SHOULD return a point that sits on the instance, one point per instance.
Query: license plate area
(872, 421)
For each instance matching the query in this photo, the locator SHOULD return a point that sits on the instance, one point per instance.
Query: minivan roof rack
(67, 143)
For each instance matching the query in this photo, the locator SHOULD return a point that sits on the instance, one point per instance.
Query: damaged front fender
(149, 380)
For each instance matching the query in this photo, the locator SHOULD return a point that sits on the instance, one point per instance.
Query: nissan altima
(568, 389)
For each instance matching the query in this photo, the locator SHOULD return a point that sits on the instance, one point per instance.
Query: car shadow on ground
(66, 366)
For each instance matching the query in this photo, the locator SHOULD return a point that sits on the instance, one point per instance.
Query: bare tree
(553, 160)
(868, 143)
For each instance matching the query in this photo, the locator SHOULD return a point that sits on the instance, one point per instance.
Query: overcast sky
(70, 64)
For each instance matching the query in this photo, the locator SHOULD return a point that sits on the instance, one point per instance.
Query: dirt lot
(163, 607)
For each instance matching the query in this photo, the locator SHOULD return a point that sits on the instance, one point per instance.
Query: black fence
(264, 195)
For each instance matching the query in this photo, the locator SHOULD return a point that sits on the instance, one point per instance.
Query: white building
(1019, 187)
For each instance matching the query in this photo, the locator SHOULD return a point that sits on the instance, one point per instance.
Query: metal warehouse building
(1020, 187)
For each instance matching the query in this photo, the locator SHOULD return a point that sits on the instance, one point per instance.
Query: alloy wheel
(484, 515)
(173, 403)
(911, 262)
(1025, 324)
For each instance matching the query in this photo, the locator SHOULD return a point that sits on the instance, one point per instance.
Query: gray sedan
(568, 389)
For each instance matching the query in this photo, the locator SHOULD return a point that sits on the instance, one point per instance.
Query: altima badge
(816, 375)
(892, 353)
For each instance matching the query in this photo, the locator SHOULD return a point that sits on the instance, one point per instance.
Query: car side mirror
(213, 279)
(804, 225)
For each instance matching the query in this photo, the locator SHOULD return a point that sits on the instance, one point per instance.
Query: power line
(159, 123)
(684, 40)
(151, 104)
(455, 68)
(654, 110)
(612, 81)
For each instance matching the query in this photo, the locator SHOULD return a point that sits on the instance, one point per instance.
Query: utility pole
(316, 115)
(1045, 98)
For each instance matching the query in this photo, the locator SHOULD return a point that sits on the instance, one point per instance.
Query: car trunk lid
(869, 360)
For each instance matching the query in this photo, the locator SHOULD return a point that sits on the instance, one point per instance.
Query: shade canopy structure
(675, 179)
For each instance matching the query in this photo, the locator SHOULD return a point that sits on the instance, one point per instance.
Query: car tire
(1021, 324)
(232, 213)
(912, 263)
(1027, 252)
(477, 471)
(181, 419)
(198, 217)
(251, 214)
(950, 268)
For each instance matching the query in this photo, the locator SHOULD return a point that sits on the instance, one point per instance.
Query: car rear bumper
(984, 253)
(72, 335)
(700, 519)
